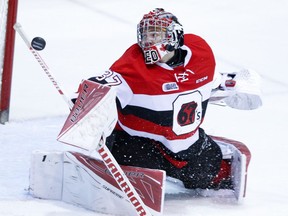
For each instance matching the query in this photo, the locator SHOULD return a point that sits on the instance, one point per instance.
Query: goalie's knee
(203, 163)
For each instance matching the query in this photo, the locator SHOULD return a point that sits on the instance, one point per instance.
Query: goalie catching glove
(239, 90)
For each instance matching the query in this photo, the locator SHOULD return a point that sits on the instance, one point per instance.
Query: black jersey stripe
(163, 118)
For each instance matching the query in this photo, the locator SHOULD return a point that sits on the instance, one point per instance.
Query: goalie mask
(158, 34)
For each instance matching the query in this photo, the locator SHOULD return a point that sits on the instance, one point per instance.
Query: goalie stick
(108, 159)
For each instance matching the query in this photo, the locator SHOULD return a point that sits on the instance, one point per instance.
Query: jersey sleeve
(116, 81)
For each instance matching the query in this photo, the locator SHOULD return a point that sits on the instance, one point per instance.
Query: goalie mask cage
(8, 12)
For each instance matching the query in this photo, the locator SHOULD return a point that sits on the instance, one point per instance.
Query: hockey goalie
(147, 109)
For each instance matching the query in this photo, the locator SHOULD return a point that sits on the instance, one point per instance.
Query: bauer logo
(79, 103)
(172, 86)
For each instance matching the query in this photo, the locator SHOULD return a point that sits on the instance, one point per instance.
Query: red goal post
(8, 13)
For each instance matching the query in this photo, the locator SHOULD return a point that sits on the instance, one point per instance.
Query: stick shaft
(18, 28)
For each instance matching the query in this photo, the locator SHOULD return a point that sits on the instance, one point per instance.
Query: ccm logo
(202, 79)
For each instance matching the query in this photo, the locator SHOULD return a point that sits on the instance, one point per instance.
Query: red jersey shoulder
(202, 62)
(198, 46)
(194, 39)
(133, 55)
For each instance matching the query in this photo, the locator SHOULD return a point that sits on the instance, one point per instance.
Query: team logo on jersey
(171, 86)
(183, 76)
(187, 112)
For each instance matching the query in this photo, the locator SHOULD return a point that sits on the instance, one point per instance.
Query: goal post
(8, 14)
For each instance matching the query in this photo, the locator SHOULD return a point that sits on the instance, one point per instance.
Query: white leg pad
(46, 175)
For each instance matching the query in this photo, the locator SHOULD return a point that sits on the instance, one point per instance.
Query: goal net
(8, 13)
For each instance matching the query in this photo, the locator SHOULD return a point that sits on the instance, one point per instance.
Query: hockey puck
(38, 43)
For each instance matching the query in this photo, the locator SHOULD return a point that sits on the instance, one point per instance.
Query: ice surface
(85, 37)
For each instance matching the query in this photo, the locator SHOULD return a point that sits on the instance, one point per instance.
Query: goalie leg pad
(84, 181)
(46, 175)
(240, 157)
